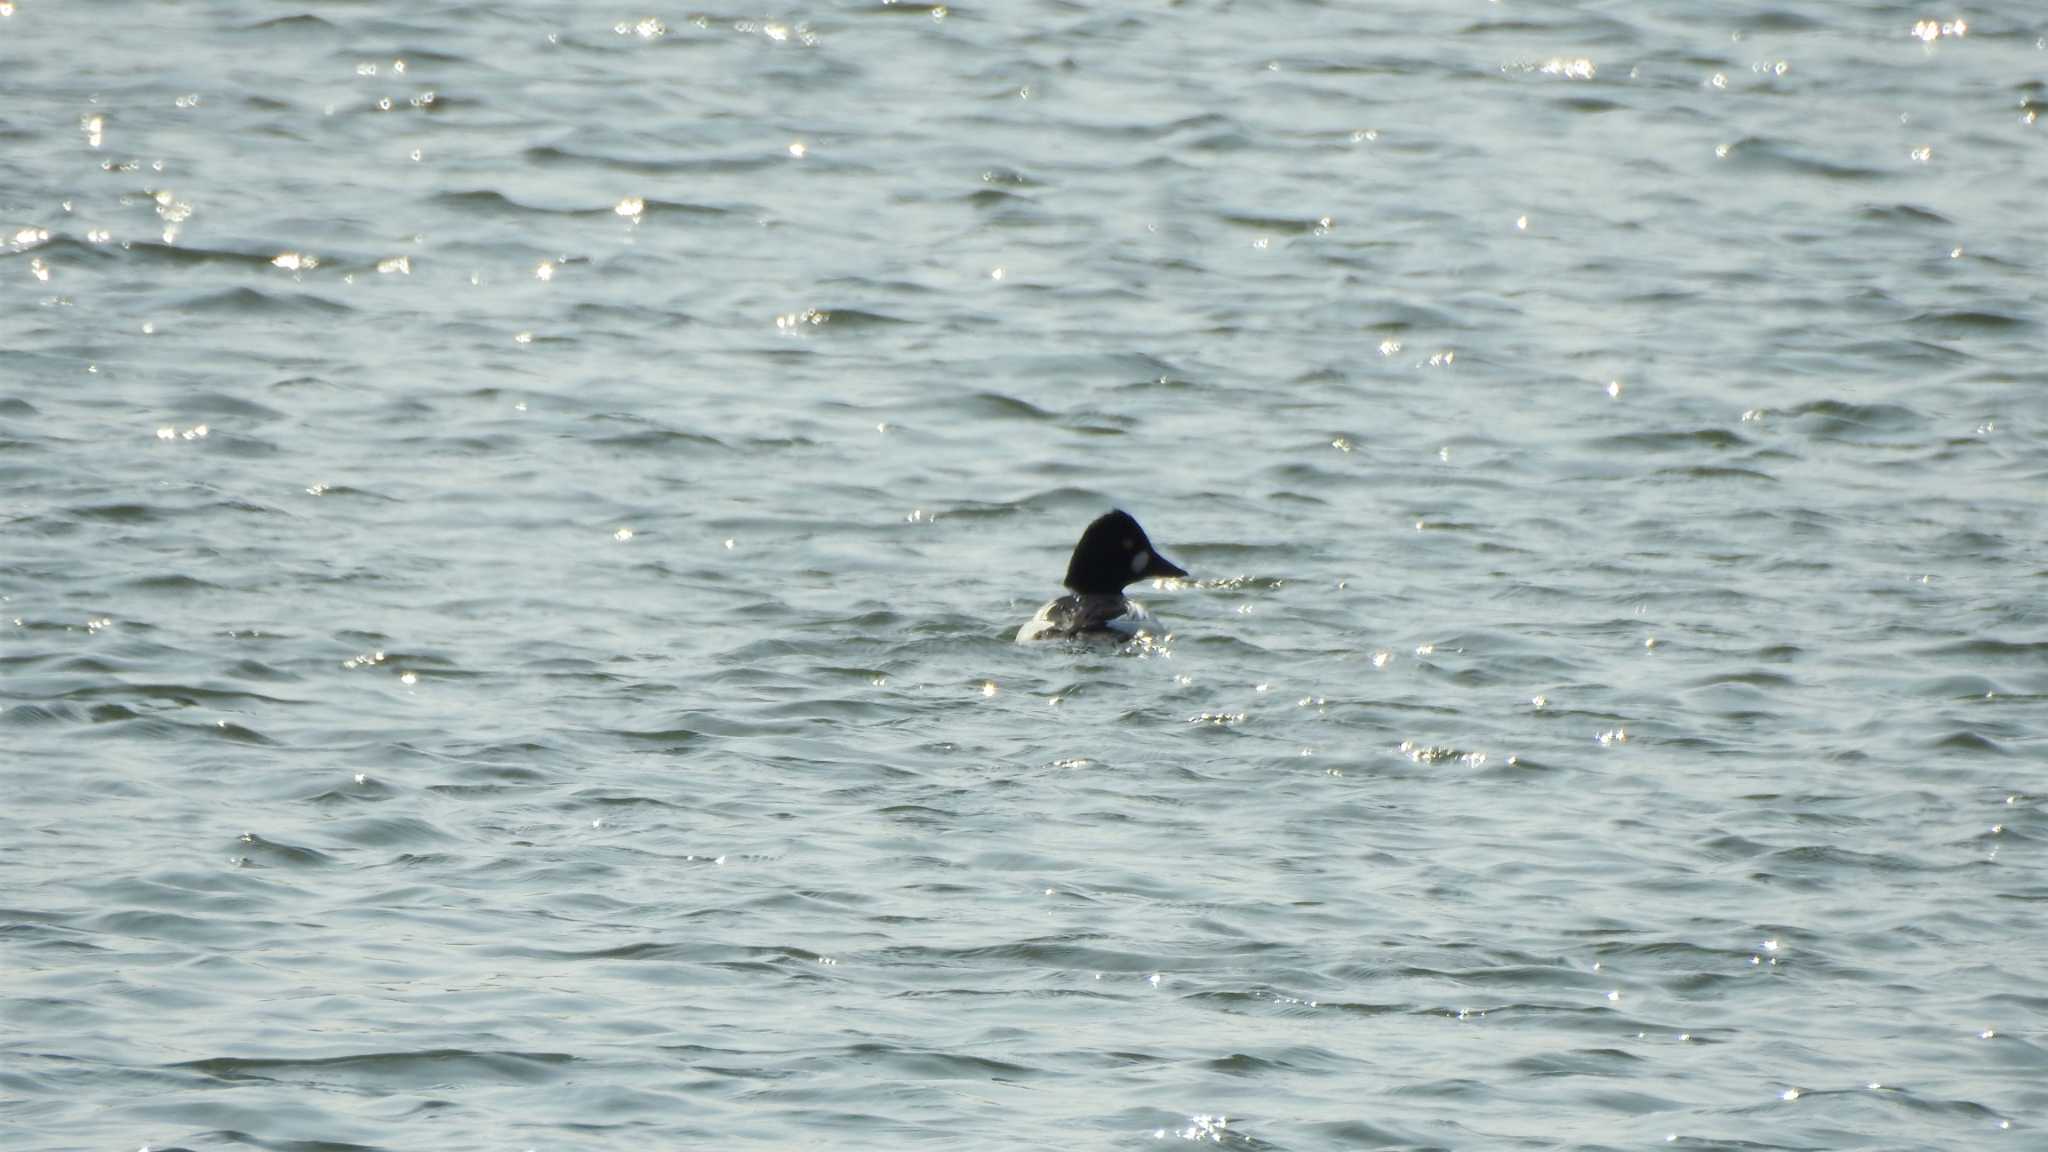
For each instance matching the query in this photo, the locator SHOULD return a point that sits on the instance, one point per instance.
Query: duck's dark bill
(1161, 566)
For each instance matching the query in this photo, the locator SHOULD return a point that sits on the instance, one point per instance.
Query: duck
(1113, 552)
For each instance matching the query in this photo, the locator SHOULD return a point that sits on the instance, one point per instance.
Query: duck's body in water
(1113, 553)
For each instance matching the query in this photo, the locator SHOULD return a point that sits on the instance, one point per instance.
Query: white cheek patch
(1139, 561)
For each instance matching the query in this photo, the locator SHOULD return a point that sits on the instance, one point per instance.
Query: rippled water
(512, 520)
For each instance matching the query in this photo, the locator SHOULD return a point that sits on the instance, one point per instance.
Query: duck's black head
(1112, 553)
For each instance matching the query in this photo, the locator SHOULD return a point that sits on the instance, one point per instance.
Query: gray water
(512, 520)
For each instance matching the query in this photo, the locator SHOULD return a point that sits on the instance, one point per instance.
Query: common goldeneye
(1113, 552)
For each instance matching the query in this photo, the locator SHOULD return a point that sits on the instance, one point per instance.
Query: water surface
(512, 519)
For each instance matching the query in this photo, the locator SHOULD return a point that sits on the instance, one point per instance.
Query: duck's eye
(1139, 561)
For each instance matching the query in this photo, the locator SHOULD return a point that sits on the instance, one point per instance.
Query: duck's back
(1081, 615)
